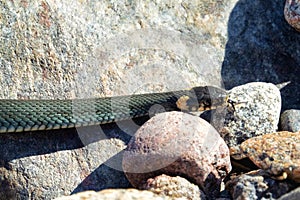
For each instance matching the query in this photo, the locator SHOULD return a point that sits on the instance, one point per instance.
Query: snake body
(33, 115)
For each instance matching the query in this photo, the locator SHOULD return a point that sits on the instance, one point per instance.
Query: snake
(39, 115)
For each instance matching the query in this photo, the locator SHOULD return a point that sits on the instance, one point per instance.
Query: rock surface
(51, 164)
(293, 195)
(256, 113)
(290, 120)
(175, 187)
(49, 49)
(176, 143)
(115, 194)
(254, 185)
(276, 153)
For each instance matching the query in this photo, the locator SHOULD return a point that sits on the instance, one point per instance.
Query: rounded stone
(276, 153)
(292, 13)
(115, 194)
(175, 187)
(178, 144)
(256, 112)
(290, 120)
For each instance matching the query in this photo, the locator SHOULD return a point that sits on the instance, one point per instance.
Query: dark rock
(261, 47)
(255, 185)
(292, 195)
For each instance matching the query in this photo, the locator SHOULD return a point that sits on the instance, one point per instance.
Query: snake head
(203, 98)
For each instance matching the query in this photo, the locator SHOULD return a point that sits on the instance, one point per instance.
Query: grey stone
(255, 185)
(290, 120)
(175, 187)
(257, 111)
(293, 195)
(178, 144)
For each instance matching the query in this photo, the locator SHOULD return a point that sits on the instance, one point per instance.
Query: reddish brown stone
(178, 144)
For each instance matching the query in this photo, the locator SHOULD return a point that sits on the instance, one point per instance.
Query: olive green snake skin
(33, 115)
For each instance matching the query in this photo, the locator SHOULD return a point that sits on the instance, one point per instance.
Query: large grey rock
(261, 47)
(50, 49)
(176, 143)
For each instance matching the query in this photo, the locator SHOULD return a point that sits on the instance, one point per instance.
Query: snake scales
(32, 115)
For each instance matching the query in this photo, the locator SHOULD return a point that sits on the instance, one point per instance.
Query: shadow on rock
(262, 47)
(106, 173)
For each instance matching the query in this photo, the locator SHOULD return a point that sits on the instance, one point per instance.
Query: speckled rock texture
(50, 49)
(178, 144)
(290, 120)
(276, 153)
(255, 185)
(293, 195)
(256, 113)
(261, 47)
(115, 194)
(292, 13)
(175, 187)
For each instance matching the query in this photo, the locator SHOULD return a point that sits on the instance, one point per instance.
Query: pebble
(178, 144)
(175, 187)
(255, 185)
(290, 120)
(292, 13)
(276, 153)
(256, 113)
(115, 194)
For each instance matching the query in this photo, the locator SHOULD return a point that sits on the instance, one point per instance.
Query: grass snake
(33, 115)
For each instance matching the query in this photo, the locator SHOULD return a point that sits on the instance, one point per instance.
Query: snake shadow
(262, 46)
(25, 144)
(109, 174)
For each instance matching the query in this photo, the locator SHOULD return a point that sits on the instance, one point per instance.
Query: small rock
(255, 185)
(115, 194)
(290, 120)
(175, 187)
(292, 13)
(178, 144)
(257, 111)
(293, 195)
(277, 153)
